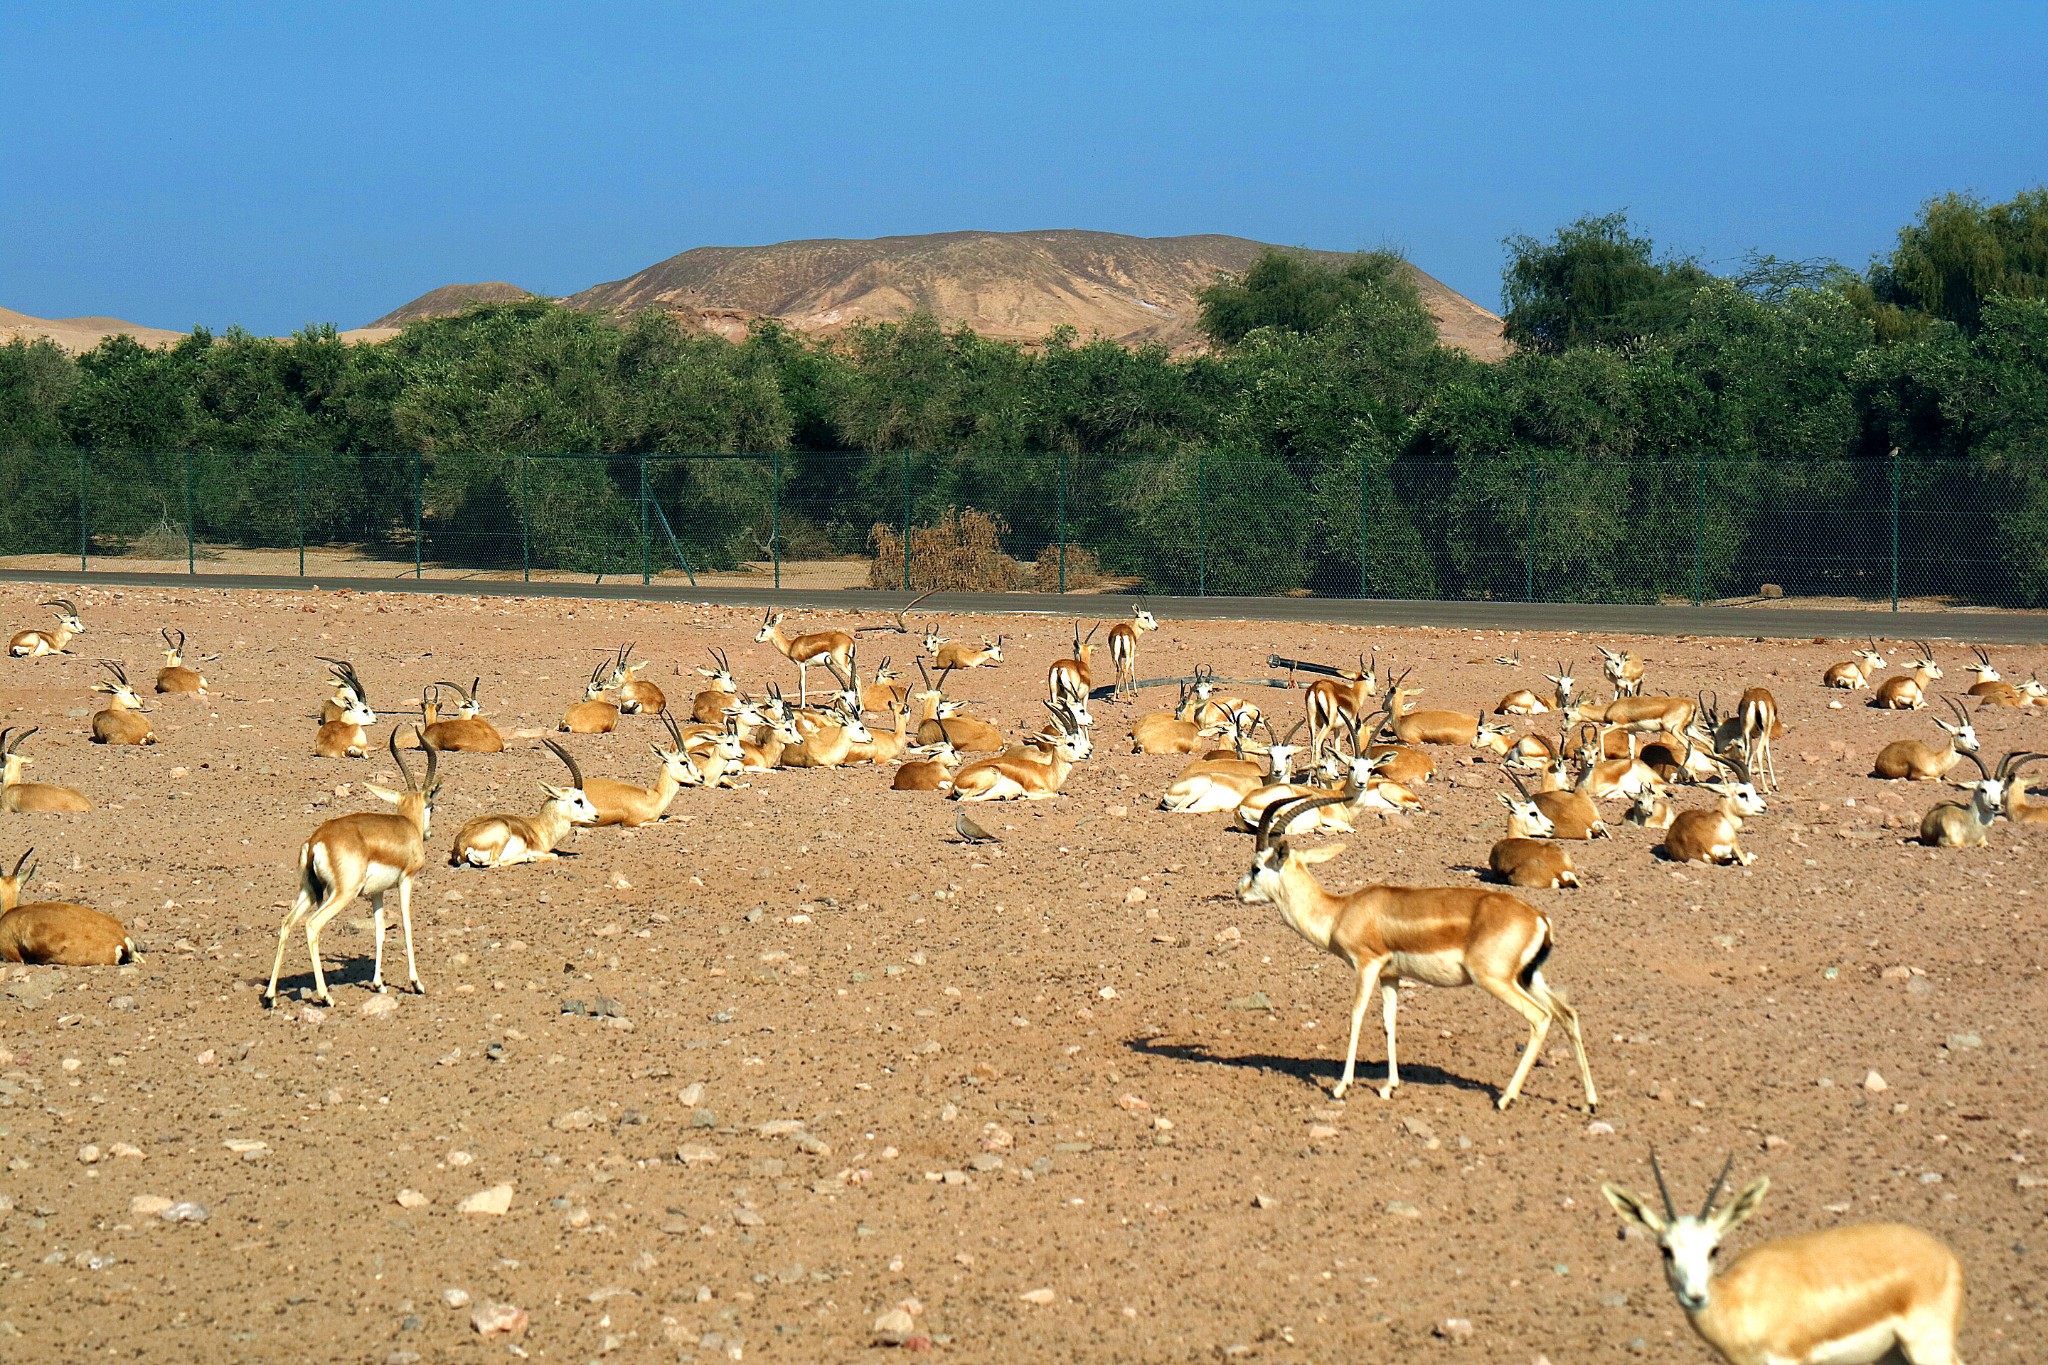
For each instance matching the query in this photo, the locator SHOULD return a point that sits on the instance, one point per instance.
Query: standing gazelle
(34, 644)
(1852, 1295)
(1123, 648)
(174, 676)
(1070, 680)
(831, 647)
(1439, 936)
(365, 854)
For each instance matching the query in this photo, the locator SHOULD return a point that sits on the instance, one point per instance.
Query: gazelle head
(1741, 796)
(1492, 737)
(676, 764)
(1962, 734)
(1070, 737)
(12, 882)
(1142, 620)
(570, 799)
(994, 649)
(932, 640)
(469, 706)
(943, 753)
(1526, 819)
(1923, 664)
(1982, 668)
(1648, 807)
(1872, 659)
(2033, 688)
(12, 760)
(884, 675)
(348, 688)
(417, 799)
(1563, 681)
(1368, 675)
(174, 650)
(1687, 1240)
(720, 673)
(619, 672)
(770, 623)
(120, 696)
(1281, 753)
(1264, 882)
(67, 615)
(1612, 661)
(1988, 791)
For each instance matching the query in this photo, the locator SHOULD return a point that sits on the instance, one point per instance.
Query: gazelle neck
(1309, 909)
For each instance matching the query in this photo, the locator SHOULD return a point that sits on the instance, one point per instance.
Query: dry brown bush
(962, 553)
(1084, 570)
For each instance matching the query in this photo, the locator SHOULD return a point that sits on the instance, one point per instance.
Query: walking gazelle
(365, 854)
(1439, 936)
(1123, 648)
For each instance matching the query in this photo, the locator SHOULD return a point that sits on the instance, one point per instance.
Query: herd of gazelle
(1886, 1288)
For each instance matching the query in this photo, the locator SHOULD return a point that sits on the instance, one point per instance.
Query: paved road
(2000, 628)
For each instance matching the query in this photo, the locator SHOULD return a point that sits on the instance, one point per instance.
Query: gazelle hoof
(416, 986)
(1386, 1092)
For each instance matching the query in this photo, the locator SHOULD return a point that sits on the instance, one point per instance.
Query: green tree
(1960, 253)
(1293, 291)
(1596, 283)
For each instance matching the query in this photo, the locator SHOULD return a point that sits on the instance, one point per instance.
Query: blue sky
(273, 165)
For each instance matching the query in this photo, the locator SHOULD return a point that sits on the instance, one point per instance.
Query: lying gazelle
(931, 771)
(1638, 714)
(709, 706)
(1608, 779)
(31, 798)
(829, 646)
(1651, 809)
(884, 746)
(1967, 824)
(1177, 733)
(174, 676)
(829, 743)
(1426, 727)
(594, 715)
(349, 692)
(1987, 673)
(34, 644)
(344, 736)
(1362, 789)
(1711, 835)
(1332, 701)
(1527, 857)
(505, 840)
(1571, 810)
(885, 691)
(1523, 702)
(1852, 1295)
(1916, 761)
(944, 723)
(1032, 771)
(1909, 692)
(1624, 672)
(637, 696)
(365, 854)
(1854, 675)
(465, 732)
(1438, 936)
(57, 933)
(1211, 786)
(623, 803)
(1070, 680)
(2018, 809)
(776, 734)
(1123, 648)
(958, 654)
(123, 721)
(1211, 707)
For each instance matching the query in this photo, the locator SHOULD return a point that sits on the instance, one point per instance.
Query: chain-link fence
(1198, 522)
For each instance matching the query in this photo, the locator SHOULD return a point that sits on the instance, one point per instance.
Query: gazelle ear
(1737, 1210)
(1633, 1208)
(1322, 853)
(1507, 800)
(382, 793)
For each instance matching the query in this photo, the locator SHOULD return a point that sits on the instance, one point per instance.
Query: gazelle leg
(300, 908)
(803, 685)
(1390, 1001)
(412, 971)
(1561, 1010)
(337, 897)
(377, 965)
(1539, 1029)
(1368, 976)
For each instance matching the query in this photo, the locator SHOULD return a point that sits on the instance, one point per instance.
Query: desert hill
(447, 301)
(1017, 285)
(77, 335)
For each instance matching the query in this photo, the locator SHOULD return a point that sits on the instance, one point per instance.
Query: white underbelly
(1431, 969)
(1862, 1348)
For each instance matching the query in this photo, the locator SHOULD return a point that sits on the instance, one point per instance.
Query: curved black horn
(1957, 707)
(1273, 813)
(21, 739)
(1981, 769)
(1719, 1181)
(21, 862)
(1670, 1210)
(568, 761)
(675, 731)
(403, 771)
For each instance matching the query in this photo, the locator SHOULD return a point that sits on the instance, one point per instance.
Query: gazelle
(1016, 773)
(2018, 809)
(1523, 702)
(708, 707)
(34, 644)
(1624, 672)
(964, 732)
(465, 732)
(1638, 714)
(1986, 673)
(1916, 761)
(1426, 727)
(884, 746)
(1123, 648)
(1332, 702)
(831, 646)
(1572, 812)
(1854, 675)
(1161, 733)
(958, 654)
(1527, 857)
(57, 933)
(344, 736)
(593, 715)
(1967, 824)
(1909, 693)
(931, 772)
(774, 739)
(31, 798)
(1852, 1295)
(123, 721)
(1711, 836)
(174, 676)
(884, 692)
(637, 696)
(1651, 809)
(1070, 680)
(349, 692)
(1608, 779)
(365, 854)
(1363, 789)
(504, 840)
(1757, 717)
(1213, 787)
(830, 744)
(623, 803)
(1438, 936)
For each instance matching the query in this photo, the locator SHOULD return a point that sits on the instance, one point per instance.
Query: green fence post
(1060, 517)
(299, 504)
(1201, 522)
(906, 521)
(1364, 506)
(1529, 536)
(645, 576)
(525, 535)
(1699, 536)
(84, 511)
(775, 515)
(191, 553)
(418, 549)
(1895, 528)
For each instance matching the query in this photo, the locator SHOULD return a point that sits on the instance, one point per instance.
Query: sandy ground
(850, 1063)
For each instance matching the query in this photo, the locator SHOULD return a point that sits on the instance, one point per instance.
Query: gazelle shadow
(1307, 1070)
